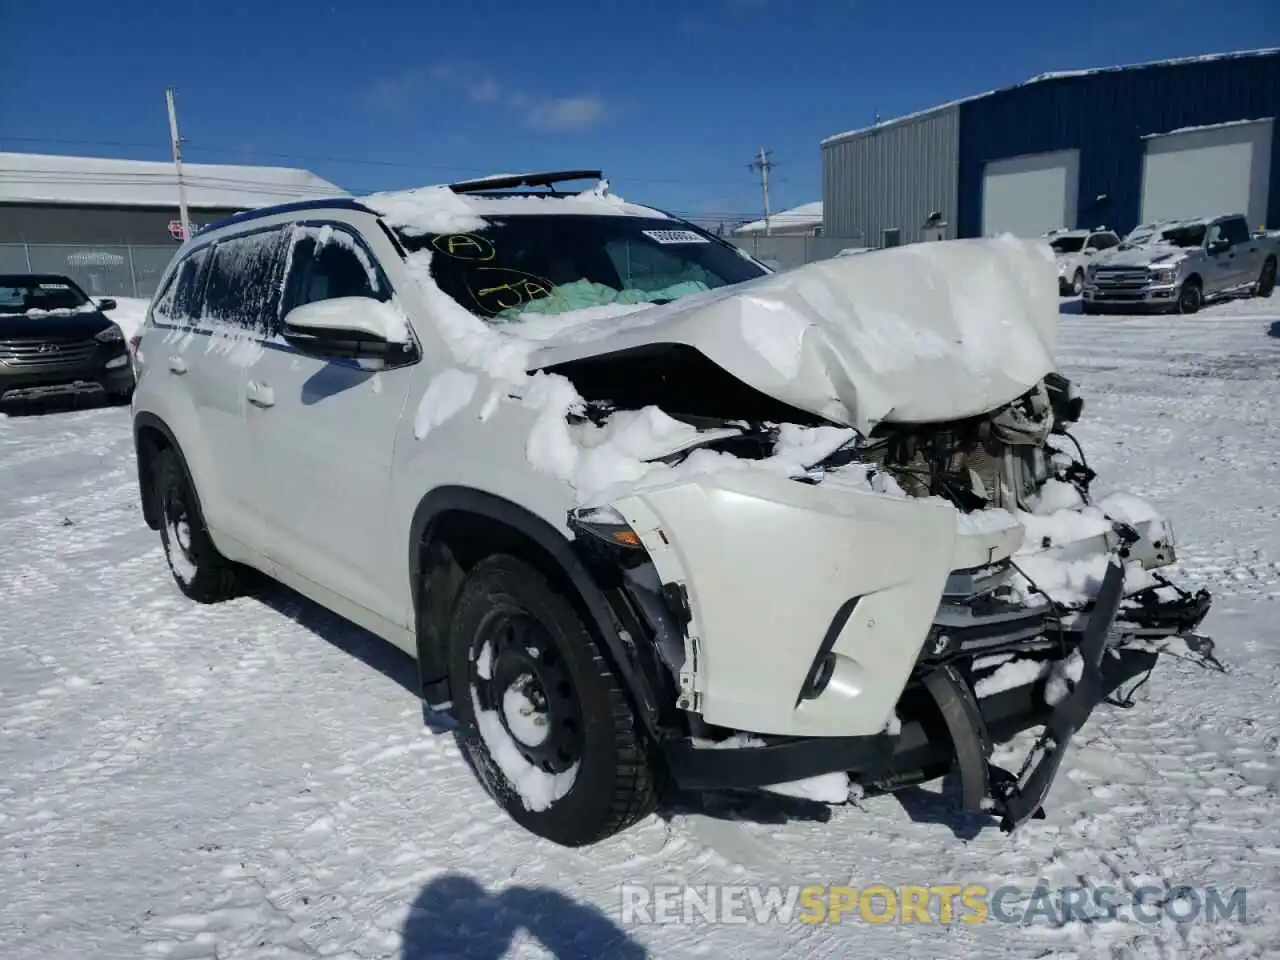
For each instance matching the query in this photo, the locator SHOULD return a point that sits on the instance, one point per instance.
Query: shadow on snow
(454, 916)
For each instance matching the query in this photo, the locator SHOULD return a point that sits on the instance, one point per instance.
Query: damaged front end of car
(892, 611)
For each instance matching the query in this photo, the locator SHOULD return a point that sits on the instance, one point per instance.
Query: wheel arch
(453, 528)
(151, 436)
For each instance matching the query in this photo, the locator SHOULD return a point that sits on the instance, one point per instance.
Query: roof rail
(549, 179)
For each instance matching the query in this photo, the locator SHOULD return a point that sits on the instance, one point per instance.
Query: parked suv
(644, 511)
(1073, 249)
(1181, 265)
(55, 340)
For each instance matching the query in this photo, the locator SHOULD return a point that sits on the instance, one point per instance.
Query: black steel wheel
(546, 723)
(1190, 297)
(1267, 279)
(201, 572)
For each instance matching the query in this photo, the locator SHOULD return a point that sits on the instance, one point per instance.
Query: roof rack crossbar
(487, 184)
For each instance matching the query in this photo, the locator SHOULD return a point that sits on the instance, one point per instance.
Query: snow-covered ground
(129, 314)
(254, 779)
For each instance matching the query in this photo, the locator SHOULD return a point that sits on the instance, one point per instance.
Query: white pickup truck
(1181, 265)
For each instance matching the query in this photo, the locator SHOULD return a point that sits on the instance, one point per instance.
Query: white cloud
(575, 112)
(566, 113)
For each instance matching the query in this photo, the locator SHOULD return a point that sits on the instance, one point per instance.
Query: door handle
(177, 365)
(260, 395)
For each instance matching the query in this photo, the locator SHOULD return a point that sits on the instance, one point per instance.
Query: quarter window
(180, 302)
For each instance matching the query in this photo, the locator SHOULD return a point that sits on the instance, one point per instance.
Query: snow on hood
(1152, 252)
(921, 333)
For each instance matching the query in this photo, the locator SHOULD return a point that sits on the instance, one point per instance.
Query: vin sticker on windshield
(675, 236)
(54, 286)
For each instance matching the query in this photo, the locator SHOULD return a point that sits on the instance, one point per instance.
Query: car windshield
(39, 295)
(1067, 244)
(1191, 235)
(550, 264)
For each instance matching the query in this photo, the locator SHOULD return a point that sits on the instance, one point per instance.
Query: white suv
(1073, 250)
(645, 512)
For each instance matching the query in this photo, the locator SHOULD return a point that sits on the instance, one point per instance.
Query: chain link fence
(788, 252)
(133, 270)
(103, 270)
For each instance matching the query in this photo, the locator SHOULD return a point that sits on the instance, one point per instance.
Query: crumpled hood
(926, 332)
(1143, 256)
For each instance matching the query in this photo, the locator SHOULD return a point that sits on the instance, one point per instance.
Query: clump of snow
(537, 789)
(425, 210)
(179, 532)
(981, 522)
(824, 788)
(1128, 508)
(36, 313)
(1063, 677)
(1017, 673)
(1057, 495)
(446, 394)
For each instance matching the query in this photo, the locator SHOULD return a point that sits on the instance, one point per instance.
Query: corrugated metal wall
(892, 177)
(1104, 115)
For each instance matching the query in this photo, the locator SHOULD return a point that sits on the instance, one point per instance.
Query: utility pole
(177, 164)
(764, 164)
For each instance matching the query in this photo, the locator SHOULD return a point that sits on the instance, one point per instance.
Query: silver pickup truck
(1180, 265)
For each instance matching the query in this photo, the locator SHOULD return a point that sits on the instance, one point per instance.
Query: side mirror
(106, 303)
(1218, 246)
(349, 327)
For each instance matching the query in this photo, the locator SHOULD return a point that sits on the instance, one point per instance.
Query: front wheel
(546, 723)
(1267, 279)
(1077, 283)
(201, 572)
(1190, 297)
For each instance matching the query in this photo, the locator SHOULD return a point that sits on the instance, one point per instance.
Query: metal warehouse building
(1117, 146)
(112, 225)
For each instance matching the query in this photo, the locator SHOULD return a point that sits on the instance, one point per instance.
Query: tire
(1077, 283)
(1190, 297)
(1267, 279)
(200, 571)
(539, 704)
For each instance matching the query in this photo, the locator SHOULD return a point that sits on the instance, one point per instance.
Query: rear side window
(1235, 230)
(243, 286)
(329, 261)
(180, 302)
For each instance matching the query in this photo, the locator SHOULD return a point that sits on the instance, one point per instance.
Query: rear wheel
(1267, 279)
(201, 572)
(1190, 297)
(547, 725)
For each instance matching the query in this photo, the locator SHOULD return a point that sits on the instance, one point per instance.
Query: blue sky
(672, 99)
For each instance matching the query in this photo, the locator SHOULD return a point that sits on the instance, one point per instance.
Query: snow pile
(1016, 673)
(447, 394)
(823, 788)
(536, 788)
(425, 210)
(36, 313)
(439, 210)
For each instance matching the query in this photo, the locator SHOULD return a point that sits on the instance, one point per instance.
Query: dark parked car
(55, 340)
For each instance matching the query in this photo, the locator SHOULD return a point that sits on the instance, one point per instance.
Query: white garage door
(1027, 196)
(1207, 171)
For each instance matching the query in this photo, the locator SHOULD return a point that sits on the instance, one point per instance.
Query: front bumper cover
(964, 738)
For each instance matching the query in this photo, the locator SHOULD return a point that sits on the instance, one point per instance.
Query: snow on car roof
(438, 209)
